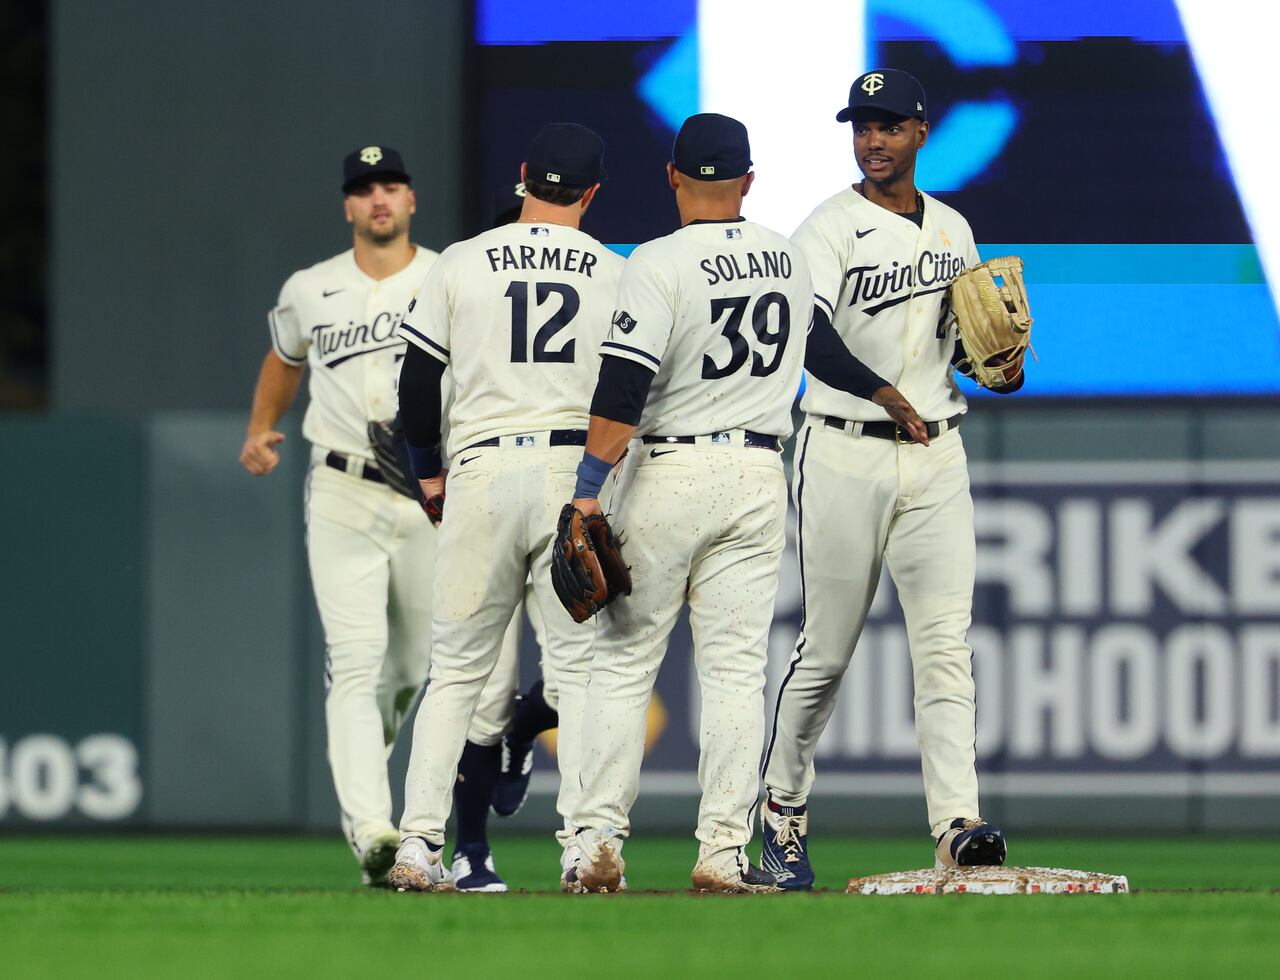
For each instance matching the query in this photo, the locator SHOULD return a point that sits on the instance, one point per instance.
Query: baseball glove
(387, 440)
(586, 564)
(994, 320)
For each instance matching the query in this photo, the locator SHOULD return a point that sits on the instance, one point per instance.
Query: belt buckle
(898, 436)
(720, 438)
(523, 441)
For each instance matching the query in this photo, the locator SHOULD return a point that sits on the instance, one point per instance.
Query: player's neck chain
(860, 186)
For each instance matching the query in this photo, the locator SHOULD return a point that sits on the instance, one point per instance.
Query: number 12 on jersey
(761, 314)
(518, 293)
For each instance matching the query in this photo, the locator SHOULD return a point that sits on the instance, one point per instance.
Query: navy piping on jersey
(633, 350)
(275, 342)
(804, 605)
(831, 310)
(715, 221)
(425, 339)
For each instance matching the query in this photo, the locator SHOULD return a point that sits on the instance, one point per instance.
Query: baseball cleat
(376, 859)
(473, 870)
(785, 853)
(419, 868)
(599, 869)
(737, 876)
(970, 843)
(512, 786)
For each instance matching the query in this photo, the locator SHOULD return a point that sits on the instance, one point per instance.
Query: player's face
(886, 146)
(379, 210)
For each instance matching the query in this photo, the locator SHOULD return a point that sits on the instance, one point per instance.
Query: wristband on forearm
(425, 463)
(592, 472)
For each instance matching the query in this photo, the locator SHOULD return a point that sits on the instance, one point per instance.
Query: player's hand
(257, 456)
(588, 505)
(892, 401)
(433, 496)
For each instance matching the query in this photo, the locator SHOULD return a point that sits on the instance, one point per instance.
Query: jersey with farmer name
(883, 282)
(718, 310)
(517, 314)
(342, 324)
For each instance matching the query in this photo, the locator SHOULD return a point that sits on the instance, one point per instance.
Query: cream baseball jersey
(517, 314)
(883, 281)
(718, 311)
(341, 323)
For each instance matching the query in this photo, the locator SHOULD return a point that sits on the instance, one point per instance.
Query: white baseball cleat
(730, 873)
(419, 868)
(377, 858)
(599, 866)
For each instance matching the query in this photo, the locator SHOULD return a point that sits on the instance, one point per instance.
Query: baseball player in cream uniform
(513, 317)
(881, 476)
(701, 364)
(371, 550)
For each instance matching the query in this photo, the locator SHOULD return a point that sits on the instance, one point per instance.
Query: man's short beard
(383, 237)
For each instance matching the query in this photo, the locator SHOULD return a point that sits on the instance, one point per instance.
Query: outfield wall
(162, 656)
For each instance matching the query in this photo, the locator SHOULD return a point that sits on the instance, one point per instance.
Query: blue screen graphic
(1072, 134)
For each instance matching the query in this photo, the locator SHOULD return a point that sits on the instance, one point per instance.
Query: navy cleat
(970, 843)
(785, 854)
(473, 870)
(511, 788)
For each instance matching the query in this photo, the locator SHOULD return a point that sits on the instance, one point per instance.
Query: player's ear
(673, 176)
(346, 209)
(747, 181)
(523, 168)
(589, 196)
(413, 202)
(922, 134)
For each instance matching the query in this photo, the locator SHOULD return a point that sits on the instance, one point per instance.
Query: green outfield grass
(289, 907)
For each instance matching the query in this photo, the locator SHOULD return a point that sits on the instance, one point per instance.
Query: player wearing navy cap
(371, 551)
(881, 476)
(697, 375)
(513, 318)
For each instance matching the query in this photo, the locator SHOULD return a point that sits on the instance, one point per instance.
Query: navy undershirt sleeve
(828, 359)
(622, 390)
(421, 376)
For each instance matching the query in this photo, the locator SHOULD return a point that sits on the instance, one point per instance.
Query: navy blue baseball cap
(371, 163)
(710, 146)
(567, 155)
(888, 90)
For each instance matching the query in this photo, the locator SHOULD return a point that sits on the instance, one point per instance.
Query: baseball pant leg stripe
(799, 651)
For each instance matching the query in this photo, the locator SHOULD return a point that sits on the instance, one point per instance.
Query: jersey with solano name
(718, 310)
(517, 314)
(342, 324)
(883, 281)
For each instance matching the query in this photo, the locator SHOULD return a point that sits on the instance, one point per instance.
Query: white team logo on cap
(919, 107)
(371, 155)
(707, 170)
(554, 178)
(873, 83)
(520, 191)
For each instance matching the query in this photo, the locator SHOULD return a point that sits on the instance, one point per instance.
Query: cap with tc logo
(372, 162)
(887, 90)
(710, 146)
(566, 155)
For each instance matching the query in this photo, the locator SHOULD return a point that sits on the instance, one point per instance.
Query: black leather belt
(368, 472)
(752, 440)
(891, 430)
(556, 437)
